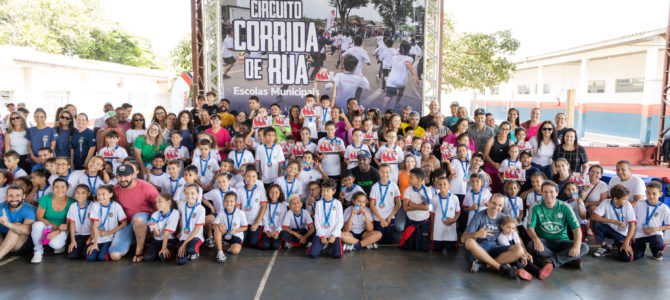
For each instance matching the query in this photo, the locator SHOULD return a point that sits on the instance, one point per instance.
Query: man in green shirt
(282, 131)
(548, 231)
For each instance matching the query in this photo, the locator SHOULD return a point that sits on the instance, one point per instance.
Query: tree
(394, 12)
(181, 57)
(344, 7)
(117, 46)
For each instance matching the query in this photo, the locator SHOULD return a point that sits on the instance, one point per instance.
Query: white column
(652, 87)
(540, 86)
(581, 94)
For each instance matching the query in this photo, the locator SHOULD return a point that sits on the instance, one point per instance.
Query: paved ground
(386, 273)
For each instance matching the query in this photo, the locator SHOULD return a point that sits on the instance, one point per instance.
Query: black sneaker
(602, 251)
(226, 77)
(575, 264)
(508, 271)
(657, 256)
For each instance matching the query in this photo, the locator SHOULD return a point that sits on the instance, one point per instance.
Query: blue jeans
(603, 232)
(557, 251)
(126, 236)
(545, 169)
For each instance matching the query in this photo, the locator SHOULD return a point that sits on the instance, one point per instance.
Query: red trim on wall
(629, 108)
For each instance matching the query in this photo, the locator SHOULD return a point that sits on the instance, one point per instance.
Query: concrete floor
(386, 273)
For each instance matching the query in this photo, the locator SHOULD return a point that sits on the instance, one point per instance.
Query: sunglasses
(547, 129)
(139, 120)
(15, 118)
(65, 118)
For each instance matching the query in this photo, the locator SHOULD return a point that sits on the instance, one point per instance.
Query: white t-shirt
(480, 199)
(274, 217)
(310, 121)
(358, 222)
(393, 157)
(543, 155)
(362, 57)
(384, 206)
(109, 217)
(328, 218)
(306, 176)
(132, 134)
(216, 196)
(179, 153)
(649, 218)
(206, 168)
(347, 84)
(241, 158)
(387, 57)
(233, 221)
(80, 217)
(18, 142)
(398, 76)
(510, 210)
(296, 223)
(72, 179)
(227, 47)
(625, 214)
(440, 205)
(345, 42)
(351, 153)
(196, 216)
(324, 116)
(594, 195)
(508, 164)
(213, 153)
(418, 197)
(508, 240)
(349, 193)
(533, 198)
(250, 201)
(162, 181)
(635, 186)
(459, 183)
(294, 187)
(115, 156)
(331, 161)
(167, 223)
(575, 209)
(270, 159)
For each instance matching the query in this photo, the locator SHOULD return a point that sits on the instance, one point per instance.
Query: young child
(214, 153)
(476, 198)
(310, 170)
(157, 176)
(535, 196)
(192, 216)
(309, 121)
(514, 204)
(240, 155)
(331, 149)
(391, 154)
(93, 176)
(459, 183)
(351, 152)
(348, 82)
(444, 214)
(107, 217)
(273, 217)
(655, 218)
(230, 225)
(112, 152)
(370, 137)
(11, 160)
(207, 165)
(175, 181)
(384, 204)
(324, 115)
(358, 230)
(509, 237)
(50, 164)
(290, 184)
(313, 196)
(190, 177)
(216, 195)
(476, 167)
(269, 157)
(328, 219)
(252, 200)
(306, 142)
(4, 178)
(524, 146)
(162, 227)
(297, 226)
(41, 185)
(615, 219)
(78, 217)
(526, 159)
(349, 188)
(417, 203)
(176, 150)
(511, 163)
(576, 202)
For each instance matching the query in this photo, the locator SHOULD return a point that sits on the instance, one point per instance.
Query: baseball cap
(454, 104)
(124, 170)
(108, 103)
(109, 114)
(363, 154)
(480, 111)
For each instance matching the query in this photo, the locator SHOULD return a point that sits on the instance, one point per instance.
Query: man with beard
(138, 199)
(16, 220)
(365, 175)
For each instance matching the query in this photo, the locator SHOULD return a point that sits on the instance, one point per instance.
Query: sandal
(138, 257)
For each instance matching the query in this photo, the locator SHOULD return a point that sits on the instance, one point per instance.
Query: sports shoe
(288, 245)
(546, 271)
(347, 247)
(309, 244)
(523, 274)
(657, 256)
(474, 268)
(194, 257)
(59, 250)
(377, 76)
(37, 257)
(371, 246)
(602, 251)
(220, 257)
(376, 245)
(226, 76)
(209, 242)
(508, 271)
(575, 264)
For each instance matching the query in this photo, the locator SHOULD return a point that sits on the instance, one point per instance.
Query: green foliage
(344, 7)
(181, 57)
(70, 27)
(394, 12)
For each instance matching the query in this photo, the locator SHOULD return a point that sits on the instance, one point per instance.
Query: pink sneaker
(546, 271)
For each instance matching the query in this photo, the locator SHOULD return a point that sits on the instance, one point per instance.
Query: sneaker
(226, 76)
(309, 245)
(376, 245)
(575, 264)
(523, 274)
(377, 76)
(194, 257)
(347, 247)
(474, 268)
(37, 257)
(508, 271)
(220, 257)
(59, 250)
(602, 251)
(657, 256)
(288, 245)
(546, 271)
(371, 246)
(209, 242)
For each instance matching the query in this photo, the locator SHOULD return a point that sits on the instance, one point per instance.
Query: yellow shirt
(226, 119)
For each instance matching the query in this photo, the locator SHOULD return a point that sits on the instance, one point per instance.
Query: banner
(180, 90)
(284, 50)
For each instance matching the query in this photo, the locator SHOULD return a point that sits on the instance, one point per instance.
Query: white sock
(220, 252)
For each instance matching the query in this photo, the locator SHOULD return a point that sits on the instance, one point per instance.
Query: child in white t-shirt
(390, 154)
(615, 219)
(351, 152)
(508, 237)
(331, 149)
(269, 157)
(297, 227)
(230, 225)
(655, 218)
(476, 197)
(162, 227)
(445, 212)
(349, 188)
(511, 163)
(358, 230)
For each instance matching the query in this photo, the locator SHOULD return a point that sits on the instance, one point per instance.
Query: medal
(187, 231)
(227, 236)
(269, 164)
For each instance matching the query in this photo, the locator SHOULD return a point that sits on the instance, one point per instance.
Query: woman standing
(459, 128)
(160, 116)
(294, 121)
(185, 121)
(495, 152)
(170, 124)
(40, 136)
(544, 145)
(513, 119)
(562, 176)
(341, 123)
(146, 146)
(572, 152)
(533, 125)
(51, 213)
(83, 143)
(17, 140)
(234, 129)
(64, 129)
(356, 123)
(222, 136)
(137, 128)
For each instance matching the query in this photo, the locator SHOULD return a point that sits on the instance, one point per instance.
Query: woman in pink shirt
(532, 125)
(221, 134)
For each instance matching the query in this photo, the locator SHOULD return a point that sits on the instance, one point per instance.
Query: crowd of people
(520, 197)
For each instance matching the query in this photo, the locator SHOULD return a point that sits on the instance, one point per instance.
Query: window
(546, 88)
(629, 85)
(596, 87)
(6, 97)
(495, 90)
(523, 89)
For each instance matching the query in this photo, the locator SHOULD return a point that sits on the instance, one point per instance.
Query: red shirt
(141, 198)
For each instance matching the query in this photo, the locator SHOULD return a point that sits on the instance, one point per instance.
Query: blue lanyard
(353, 186)
(272, 212)
(173, 189)
(189, 216)
(203, 169)
(383, 195)
(67, 178)
(249, 197)
(298, 223)
(44, 190)
(512, 163)
(465, 165)
(648, 215)
(82, 218)
(619, 218)
(229, 218)
(15, 171)
(104, 221)
(423, 189)
(445, 208)
(479, 198)
(268, 155)
(328, 211)
(514, 208)
(223, 194)
(239, 161)
(535, 194)
(289, 191)
(92, 186)
(161, 217)
(325, 113)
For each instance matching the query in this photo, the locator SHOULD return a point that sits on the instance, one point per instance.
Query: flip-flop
(138, 257)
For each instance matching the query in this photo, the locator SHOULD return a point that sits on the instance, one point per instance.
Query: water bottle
(47, 230)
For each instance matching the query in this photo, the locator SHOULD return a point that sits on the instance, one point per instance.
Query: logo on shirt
(111, 214)
(655, 214)
(559, 215)
(552, 227)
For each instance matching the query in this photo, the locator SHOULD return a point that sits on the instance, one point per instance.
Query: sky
(540, 26)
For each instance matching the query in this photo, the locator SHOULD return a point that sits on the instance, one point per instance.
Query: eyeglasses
(15, 118)
(139, 120)
(65, 118)
(547, 129)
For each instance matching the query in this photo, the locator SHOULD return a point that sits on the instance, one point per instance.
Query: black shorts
(229, 60)
(233, 240)
(358, 236)
(392, 91)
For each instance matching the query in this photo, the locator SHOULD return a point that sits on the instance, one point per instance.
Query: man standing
(414, 125)
(111, 121)
(100, 122)
(16, 220)
(548, 231)
(227, 53)
(123, 122)
(451, 121)
(479, 131)
(365, 175)
(226, 117)
(138, 199)
(630, 181)
(480, 241)
(431, 116)
(491, 121)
